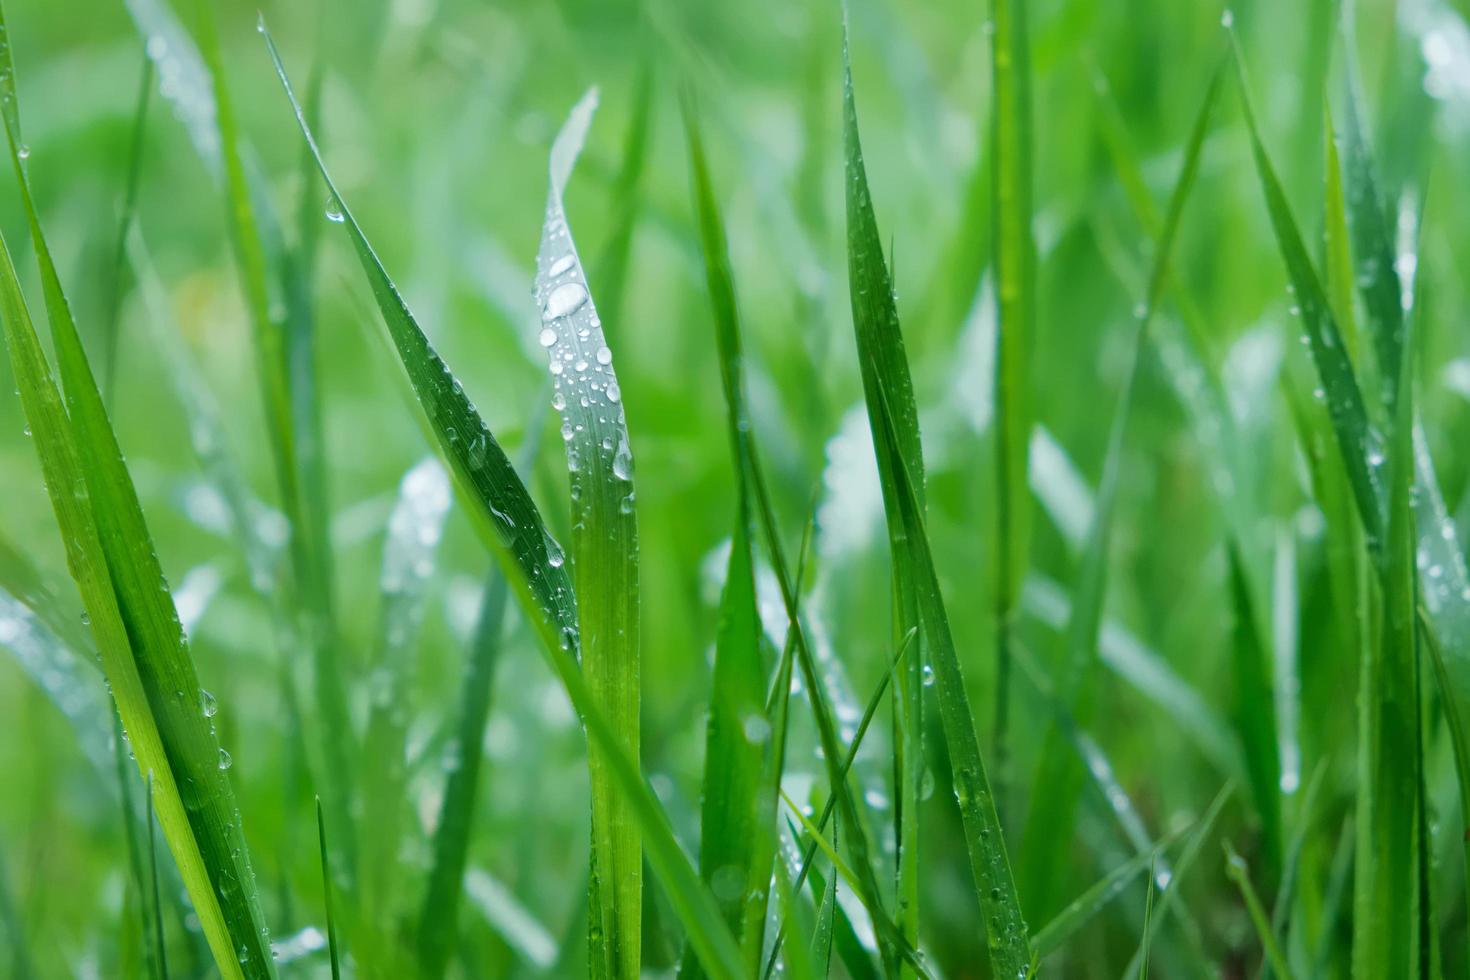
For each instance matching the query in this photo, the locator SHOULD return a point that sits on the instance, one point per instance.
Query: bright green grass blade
(885, 373)
(1254, 712)
(160, 953)
(1188, 854)
(1239, 872)
(1000, 905)
(737, 739)
(1369, 227)
(604, 546)
(113, 311)
(827, 848)
(821, 951)
(1015, 275)
(507, 519)
(144, 650)
(132, 832)
(321, 836)
(415, 528)
(612, 263)
(1059, 776)
(310, 566)
(1334, 368)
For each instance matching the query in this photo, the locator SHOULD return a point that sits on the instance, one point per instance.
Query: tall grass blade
(885, 373)
(1000, 905)
(1085, 907)
(136, 143)
(1015, 274)
(1253, 709)
(1059, 775)
(1239, 873)
(321, 836)
(604, 545)
(507, 519)
(155, 898)
(1148, 922)
(144, 651)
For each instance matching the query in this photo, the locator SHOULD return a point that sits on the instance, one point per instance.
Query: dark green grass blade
(1085, 907)
(604, 544)
(1334, 368)
(799, 965)
(1338, 267)
(1253, 711)
(332, 949)
(1000, 905)
(1148, 923)
(821, 950)
(1239, 872)
(160, 952)
(415, 528)
(19, 955)
(885, 373)
(735, 762)
(110, 339)
(1059, 776)
(504, 514)
(134, 621)
(1015, 274)
(612, 263)
(438, 920)
(1369, 228)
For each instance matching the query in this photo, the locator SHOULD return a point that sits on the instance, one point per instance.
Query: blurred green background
(436, 120)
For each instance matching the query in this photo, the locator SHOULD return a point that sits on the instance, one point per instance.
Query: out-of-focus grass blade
(885, 372)
(310, 566)
(20, 951)
(321, 837)
(521, 931)
(1148, 922)
(415, 528)
(124, 225)
(1338, 267)
(1371, 233)
(612, 264)
(1334, 368)
(160, 952)
(1085, 907)
(604, 547)
(144, 651)
(1052, 816)
(738, 737)
(1015, 275)
(1000, 905)
(798, 959)
(1239, 872)
(1254, 711)
(821, 953)
(506, 517)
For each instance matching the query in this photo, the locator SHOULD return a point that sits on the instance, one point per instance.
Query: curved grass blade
(145, 653)
(1000, 905)
(321, 836)
(1015, 275)
(507, 519)
(737, 741)
(415, 528)
(604, 546)
(1239, 872)
(885, 373)
(1058, 780)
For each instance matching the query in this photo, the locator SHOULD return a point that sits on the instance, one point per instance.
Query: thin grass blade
(321, 836)
(1239, 872)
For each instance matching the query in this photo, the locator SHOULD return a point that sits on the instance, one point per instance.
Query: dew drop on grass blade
(604, 546)
(144, 650)
(885, 373)
(506, 518)
(734, 856)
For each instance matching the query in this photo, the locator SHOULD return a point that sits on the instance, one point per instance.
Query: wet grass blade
(145, 653)
(1059, 776)
(503, 513)
(885, 373)
(415, 528)
(321, 836)
(1015, 274)
(160, 952)
(1000, 905)
(604, 546)
(1238, 872)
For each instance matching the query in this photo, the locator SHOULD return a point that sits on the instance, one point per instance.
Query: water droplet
(565, 300)
(548, 337)
(225, 761)
(928, 674)
(623, 461)
(757, 729)
(1227, 19)
(208, 704)
(86, 619)
(604, 355)
(555, 559)
(561, 265)
(614, 393)
(558, 401)
(334, 211)
(24, 152)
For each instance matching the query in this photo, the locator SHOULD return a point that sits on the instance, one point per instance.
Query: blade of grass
(604, 547)
(1338, 266)
(1253, 710)
(1015, 275)
(885, 372)
(1238, 872)
(1000, 906)
(160, 954)
(1059, 775)
(612, 263)
(1148, 921)
(528, 937)
(124, 225)
(1085, 907)
(20, 952)
(507, 519)
(321, 836)
(144, 650)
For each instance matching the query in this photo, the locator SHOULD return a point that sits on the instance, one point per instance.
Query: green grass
(1044, 556)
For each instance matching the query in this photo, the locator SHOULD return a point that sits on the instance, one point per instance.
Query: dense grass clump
(1042, 557)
